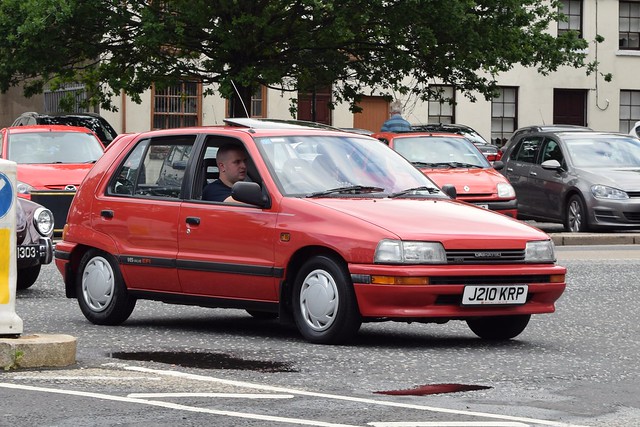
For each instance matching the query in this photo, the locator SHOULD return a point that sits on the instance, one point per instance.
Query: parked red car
(330, 229)
(52, 162)
(448, 158)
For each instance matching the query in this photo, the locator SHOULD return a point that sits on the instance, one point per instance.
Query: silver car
(585, 180)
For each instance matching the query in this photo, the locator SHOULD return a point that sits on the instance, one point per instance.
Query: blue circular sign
(6, 194)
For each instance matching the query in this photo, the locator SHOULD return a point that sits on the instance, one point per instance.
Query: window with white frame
(572, 10)
(441, 106)
(629, 109)
(629, 25)
(504, 114)
(177, 106)
(258, 106)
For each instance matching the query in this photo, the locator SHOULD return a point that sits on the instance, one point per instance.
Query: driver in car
(232, 164)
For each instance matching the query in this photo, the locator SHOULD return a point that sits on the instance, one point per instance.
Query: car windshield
(604, 151)
(54, 147)
(435, 151)
(317, 166)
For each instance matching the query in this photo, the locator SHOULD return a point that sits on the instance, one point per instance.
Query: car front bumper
(29, 255)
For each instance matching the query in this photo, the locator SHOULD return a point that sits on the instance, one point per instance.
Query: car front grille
(58, 202)
(497, 256)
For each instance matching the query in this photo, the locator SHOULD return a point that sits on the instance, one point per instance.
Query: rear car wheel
(27, 277)
(499, 327)
(575, 215)
(324, 303)
(102, 294)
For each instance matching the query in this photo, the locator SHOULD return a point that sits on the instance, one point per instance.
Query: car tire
(324, 303)
(101, 291)
(499, 328)
(27, 277)
(575, 216)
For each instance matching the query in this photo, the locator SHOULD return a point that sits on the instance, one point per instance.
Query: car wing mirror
(250, 193)
(551, 165)
(450, 190)
(498, 164)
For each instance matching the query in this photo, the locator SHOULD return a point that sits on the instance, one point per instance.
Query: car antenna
(246, 112)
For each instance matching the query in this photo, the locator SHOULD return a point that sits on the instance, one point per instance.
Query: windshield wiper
(353, 189)
(455, 165)
(425, 164)
(431, 190)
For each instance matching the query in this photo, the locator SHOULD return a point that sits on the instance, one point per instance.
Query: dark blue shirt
(396, 124)
(217, 191)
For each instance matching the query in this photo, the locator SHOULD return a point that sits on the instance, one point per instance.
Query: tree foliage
(388, 46)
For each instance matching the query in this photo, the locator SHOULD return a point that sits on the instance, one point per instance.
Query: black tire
(27, 277)
(499, 328)
(575, 215)
(263, 315)
(325, 309)
(101, 291)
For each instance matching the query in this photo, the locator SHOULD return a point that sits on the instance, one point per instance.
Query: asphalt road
(177, 365)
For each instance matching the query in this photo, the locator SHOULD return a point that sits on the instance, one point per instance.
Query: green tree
(356, 45)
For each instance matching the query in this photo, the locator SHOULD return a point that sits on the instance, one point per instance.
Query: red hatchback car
(52, 162)
(448, 158)
(329, 229)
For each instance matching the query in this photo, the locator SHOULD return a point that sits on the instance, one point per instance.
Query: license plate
(494, 295)
(28, 252)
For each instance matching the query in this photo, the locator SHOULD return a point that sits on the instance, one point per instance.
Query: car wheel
(324, 303)
(263, 315)
(499, 327)
(27, 277)
(102, 294)
(575, 215)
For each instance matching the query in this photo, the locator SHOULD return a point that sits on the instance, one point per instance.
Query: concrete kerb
(38, 351)
(567, 239)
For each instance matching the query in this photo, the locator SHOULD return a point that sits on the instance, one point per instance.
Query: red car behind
(448, 158)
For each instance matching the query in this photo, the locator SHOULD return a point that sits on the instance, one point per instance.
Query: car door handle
(193, 220)
(106, 213)
(533, 174)
(509, 169)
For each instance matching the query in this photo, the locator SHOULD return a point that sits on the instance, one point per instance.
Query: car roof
(45, 128)
(421, 133)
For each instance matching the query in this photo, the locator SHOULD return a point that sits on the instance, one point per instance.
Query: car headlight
(540, 251)
(605, 192)
(43, 220)
(505, 190)
(401, 252)
(23, 187)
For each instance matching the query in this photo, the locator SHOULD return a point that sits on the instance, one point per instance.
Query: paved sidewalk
(562, 238)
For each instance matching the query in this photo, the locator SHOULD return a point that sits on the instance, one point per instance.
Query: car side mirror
(250, 193)
(450, 190)
(551, 165)
(498, 164)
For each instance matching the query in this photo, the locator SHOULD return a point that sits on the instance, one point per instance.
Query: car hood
(627, 179)
(455, 224)
(53, 176)
(473, 181)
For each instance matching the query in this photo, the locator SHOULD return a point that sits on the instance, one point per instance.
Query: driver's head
(232, 164)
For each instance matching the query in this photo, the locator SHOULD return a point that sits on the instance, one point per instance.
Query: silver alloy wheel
(319, 300)
(575, 215)
(98, 284)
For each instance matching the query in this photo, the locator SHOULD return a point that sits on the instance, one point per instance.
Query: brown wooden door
(314, 107)
(375, 111)
(570, 107)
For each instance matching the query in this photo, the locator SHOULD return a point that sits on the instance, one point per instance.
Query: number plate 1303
(484, 295)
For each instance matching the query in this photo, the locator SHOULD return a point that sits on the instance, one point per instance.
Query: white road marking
(345, 398)
(449, 424)
(83, 378)
(176, 406)
(232, 395)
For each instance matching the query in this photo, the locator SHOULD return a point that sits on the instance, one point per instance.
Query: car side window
(154, 169)
(527, 149)
(552, 151)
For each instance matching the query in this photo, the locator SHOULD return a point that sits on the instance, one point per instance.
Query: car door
(547, 185)
(518, 167)
(226, 250)
(140, 210)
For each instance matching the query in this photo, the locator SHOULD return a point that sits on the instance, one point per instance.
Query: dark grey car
(585, 180)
